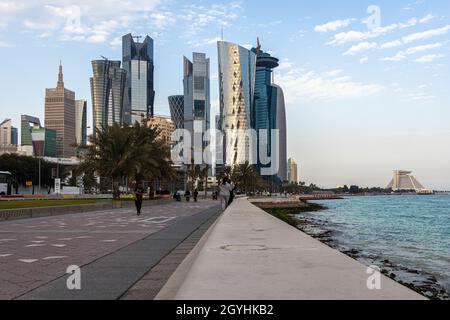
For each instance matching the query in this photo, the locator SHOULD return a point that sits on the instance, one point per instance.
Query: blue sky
(362, 99)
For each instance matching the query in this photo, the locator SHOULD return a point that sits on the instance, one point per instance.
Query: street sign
(58, 186)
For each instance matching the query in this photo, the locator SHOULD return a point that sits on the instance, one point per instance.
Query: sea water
(412, 231)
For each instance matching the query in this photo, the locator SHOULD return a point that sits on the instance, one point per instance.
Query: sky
(366, 82)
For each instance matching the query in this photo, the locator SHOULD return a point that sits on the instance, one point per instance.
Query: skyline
(360, 103)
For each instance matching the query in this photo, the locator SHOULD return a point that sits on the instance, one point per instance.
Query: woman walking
(139, 199)
(225, 192)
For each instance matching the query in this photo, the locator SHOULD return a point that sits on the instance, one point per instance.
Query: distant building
(237, 69)
(108, 93)
(8, 134)
(44, 142)
(165, 125)
(197, 102)
(81, 122)
(292, 173)
(60, 116)
(137, 59)
(27, 125)
(176, 104)
(405, 181)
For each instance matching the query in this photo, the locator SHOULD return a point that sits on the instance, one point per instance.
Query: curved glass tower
(237, 67)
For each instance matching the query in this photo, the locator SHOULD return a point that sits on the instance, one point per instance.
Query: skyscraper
(60, 116)
(81, 122)
(197, 104)
(269, 111)
(176, 104)
(138, 62)
(108, 93)
(27, 125)
(237, 67)
(292, 171)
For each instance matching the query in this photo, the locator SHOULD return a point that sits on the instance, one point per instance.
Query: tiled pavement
(34, 252)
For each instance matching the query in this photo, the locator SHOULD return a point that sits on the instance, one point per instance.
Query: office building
(292, 173)
(44, 142)
(137, 59)
(237, 68)
(60, 116)
(8, 134)
(164, 125)
(176, 104)
(81, 122)
(197, 104)
(27, 125)
(108, 94)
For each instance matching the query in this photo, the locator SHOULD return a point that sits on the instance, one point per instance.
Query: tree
(127, 152)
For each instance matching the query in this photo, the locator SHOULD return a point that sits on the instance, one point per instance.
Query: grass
(24, 204)
(288, 214)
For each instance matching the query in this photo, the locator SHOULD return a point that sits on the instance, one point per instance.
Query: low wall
(250, 255)
(16, 214)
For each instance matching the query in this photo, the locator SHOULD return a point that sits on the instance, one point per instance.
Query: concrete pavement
(250, 255)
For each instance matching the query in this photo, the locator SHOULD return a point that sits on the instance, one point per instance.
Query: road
(34, 252)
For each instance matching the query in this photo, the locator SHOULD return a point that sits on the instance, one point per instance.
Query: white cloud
(429, 58)
(391, 44)
(363, 60)
(361, 47)
(426, 34)
(401, 55)
(205, 42)
(427, 18)
(300, 85)
(333, 25)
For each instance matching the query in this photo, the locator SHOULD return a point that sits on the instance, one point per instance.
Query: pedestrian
(232, 189)
(187, 195)
(225, 189)
(196, 195)
(139, 199)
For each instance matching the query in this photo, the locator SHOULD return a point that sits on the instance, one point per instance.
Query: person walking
(139, 199)
(232, 189)
(196, 195)
(224, 192)
(187, 195)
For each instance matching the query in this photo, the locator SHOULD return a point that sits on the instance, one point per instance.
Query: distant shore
(302, 218)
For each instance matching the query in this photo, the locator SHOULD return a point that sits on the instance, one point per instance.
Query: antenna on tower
(222, 32)
(137, 38)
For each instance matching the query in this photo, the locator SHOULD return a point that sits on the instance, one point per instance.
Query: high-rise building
(8, 134)
(237, 68)
(164, 125)
(197, 103)
(292, 171)
(405, 181)
(269, 113)
(27, 125)
(138, 62)
(108, 93)
(81, 122)
(60, 116)
(176, 104)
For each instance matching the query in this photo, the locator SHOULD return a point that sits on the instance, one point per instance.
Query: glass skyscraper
(176, 104)
(138, 62)
(269, 111)
(237, 69)
(108, 91)
(197, 100)
(81, 122)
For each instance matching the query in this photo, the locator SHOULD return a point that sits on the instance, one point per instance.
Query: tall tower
(197, 101)
(237, 67)
(81, 122)
(108, 93)
(137, 59)
(60, 116)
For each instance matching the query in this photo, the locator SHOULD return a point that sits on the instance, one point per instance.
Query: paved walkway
(250, 255)
(35, 252)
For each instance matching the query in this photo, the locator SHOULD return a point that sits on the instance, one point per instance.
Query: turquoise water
(413, 231)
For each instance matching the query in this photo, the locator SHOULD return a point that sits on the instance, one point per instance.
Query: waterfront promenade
(114, 249)
(249, 254)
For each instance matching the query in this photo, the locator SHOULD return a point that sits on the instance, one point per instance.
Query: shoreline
(302, 218)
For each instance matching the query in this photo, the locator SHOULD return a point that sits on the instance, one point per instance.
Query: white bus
(5, 183)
